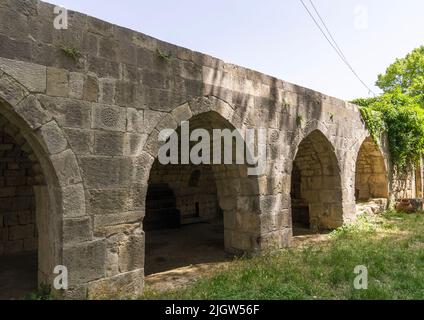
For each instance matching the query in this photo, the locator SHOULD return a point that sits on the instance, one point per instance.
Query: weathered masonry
(80, 114)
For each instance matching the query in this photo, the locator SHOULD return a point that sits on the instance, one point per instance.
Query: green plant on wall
(299, 121)
(286, 104)
(71, 52)
(163, 55)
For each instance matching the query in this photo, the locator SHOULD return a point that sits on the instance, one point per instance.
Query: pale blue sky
(277, 37)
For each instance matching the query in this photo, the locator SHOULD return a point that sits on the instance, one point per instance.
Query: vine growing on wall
(401, 117)
(399, 111)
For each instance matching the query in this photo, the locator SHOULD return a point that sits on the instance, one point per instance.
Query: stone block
(102, 221)
(10, 219)
(126, 93)
(6, 192)
(182, 113)
(135, 120)
(85, 262)
(76, 85)
(134, 144)
(80, 140)
(53, 138)
(69, 113)
(125, 285)
(32, 76)
(109, 118)
(21, 232)
(77, 230)
(15, 49)
(26, 217)
(67, 168)
(131, 252)
(109, 143)
(151, 120)
(91, 89)
(103, 172)
(74, 201)
(107, 90)
(31, 110)
(57, 82)
(109, 201)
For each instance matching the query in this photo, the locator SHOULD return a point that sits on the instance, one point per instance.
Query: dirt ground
(177, 258)
(18, 275)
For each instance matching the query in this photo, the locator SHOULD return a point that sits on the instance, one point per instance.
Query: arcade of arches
(80, 185)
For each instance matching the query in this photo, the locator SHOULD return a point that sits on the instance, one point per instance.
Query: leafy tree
(406, 74)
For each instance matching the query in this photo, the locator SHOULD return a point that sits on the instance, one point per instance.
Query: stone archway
(316, 192)
(371, 177)
(52, 181)
(223, 196)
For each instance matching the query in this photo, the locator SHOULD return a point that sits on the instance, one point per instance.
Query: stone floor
(190, 245)
(18, 275)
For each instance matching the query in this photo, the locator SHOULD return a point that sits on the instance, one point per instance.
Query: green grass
(391, 246)
(43, 293)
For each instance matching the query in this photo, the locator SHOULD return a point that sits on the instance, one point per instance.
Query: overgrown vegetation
(399, 111)
(390, 246)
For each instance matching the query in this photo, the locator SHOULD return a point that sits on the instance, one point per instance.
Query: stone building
(80, 114)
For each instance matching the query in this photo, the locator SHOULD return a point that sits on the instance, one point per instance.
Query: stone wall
(406, 185)
(93, 120)
(17, 202)
(193, 186)
(19, 173)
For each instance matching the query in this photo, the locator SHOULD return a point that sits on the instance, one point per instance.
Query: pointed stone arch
(316, 190)
(237, 193)
(371, 172)
(58, 191)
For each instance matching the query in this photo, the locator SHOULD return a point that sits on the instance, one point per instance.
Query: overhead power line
(331, 40)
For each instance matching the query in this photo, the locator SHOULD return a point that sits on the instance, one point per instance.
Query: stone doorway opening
(200, 214)
(19, 176)
(371, 180)
(30, 209)
(183, 223)
(316, 194)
